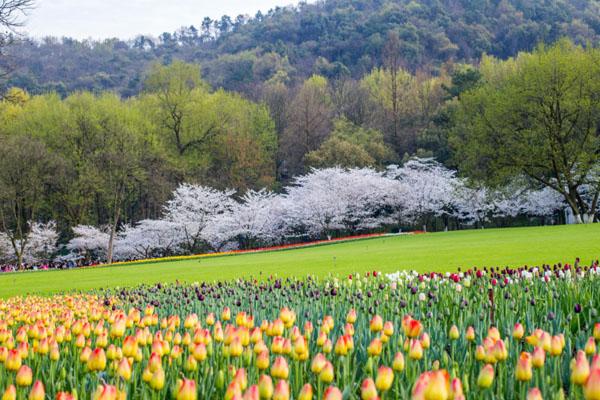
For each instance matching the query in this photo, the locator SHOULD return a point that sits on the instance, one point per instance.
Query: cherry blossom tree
(519, 198)
(6, 249)
(259, 219)
(42, 242)
(543, 202)
(89, 241)
(332, 199)
(149, 238)
(474, 205)
(192, 208)
(39, 244)
(427, 188)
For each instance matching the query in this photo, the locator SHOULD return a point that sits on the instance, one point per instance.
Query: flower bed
(504, 334)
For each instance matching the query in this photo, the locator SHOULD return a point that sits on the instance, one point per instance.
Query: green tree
(26, 169)
(308, 123)
(242, 156)
(537, 114)
(351, 146)
(178, 97)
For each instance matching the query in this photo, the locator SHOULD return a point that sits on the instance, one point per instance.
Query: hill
(334, 38)
(431, 252)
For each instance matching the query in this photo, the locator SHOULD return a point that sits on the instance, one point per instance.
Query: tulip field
(525, 333)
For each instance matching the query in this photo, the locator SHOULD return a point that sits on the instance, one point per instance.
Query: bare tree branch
(12, 13)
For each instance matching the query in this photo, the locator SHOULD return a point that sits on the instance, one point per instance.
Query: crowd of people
(44, 266)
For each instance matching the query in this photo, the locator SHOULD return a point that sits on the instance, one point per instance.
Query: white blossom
(193, 207)
(149, 238)
(41, 242)
(260, 219)
(89, 240)
(427, 188)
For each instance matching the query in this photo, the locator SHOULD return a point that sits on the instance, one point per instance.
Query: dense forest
(333, 38)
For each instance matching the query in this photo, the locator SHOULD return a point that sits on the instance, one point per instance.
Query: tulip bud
(241, 378)
(375, 348)
(425, 340)
(97, 360)
(233, 392)
(595, 364)
(262, 361)
(534, 394)
(265, 387)
(524, 371)
(306, 393)
(486, 376)
(252, 393)
(398, 364)
(54, 353)
(479, 353)
(124, 369)
(107, 392)
(351, 317)
(13, 360)
(591, 389)
(282, 391)
(327, 346)
(456, 390)
(538, 357)
(385, 378)
(10, 393)
(340, 347)
(280, 369)
(376, 324)
(590, 347)
(556, 346)
(66, 396)
(186, 389)
(318, 363)
(580, 369)
(416, 350)
(199, 352)
(438, 386)
(332, 393)
(24, 376)
(597, 331)
(369, 365)
(388, 328)
(37, 391)
(454, 334)
(157, 382)
(368, 391)
(226, 314)
(130, 347)
(327, 373)
(518, 331)
(470, 334)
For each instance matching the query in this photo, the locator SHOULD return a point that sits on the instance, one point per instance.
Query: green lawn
(431, 252)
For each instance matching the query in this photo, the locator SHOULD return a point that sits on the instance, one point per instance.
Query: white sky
(127, 18)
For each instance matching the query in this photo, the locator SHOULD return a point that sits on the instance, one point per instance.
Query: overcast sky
(127, 18)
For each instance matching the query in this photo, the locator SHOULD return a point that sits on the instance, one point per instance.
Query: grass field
(431, 252)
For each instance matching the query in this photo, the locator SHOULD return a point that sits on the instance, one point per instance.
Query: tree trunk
(571, 199)
(109, 250)
(111, 238)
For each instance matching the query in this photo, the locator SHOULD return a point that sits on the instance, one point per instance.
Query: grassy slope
(431, 252)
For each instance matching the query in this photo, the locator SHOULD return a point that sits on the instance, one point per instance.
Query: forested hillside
(333, 38)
